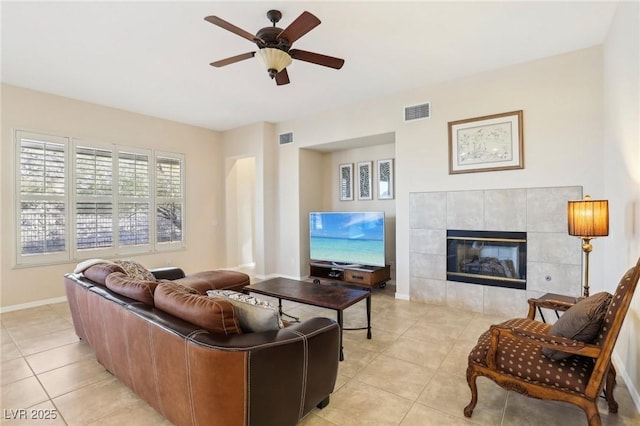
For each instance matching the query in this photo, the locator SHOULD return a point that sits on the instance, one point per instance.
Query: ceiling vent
(286, 138)
(417, 112)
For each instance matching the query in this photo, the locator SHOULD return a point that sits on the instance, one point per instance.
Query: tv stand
(359, 275)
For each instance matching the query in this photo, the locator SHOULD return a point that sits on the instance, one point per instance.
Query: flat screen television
(347, 238)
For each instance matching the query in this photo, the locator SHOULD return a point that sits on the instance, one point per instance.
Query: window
(42, 196)
(94, 198)
(134, 198)
(105, 195)
(169, 198)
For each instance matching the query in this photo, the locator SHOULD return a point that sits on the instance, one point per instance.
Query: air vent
(417, 112)
(286, 138)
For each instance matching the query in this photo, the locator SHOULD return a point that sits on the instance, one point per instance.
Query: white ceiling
(153, 57)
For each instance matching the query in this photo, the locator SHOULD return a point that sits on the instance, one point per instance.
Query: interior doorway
(241, 212)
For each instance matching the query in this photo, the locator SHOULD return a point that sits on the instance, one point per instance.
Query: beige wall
(318, 182)
(620, 157)
(332, 199)
(566, 144)
(39, 112)
(562, 101)
(258, 141)
(580, 129)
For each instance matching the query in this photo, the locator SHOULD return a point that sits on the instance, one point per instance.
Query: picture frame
(345, 179)
(385, 179)
(364, 180)
(488, 143)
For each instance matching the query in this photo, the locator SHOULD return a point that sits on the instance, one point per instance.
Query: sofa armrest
(168, 273)
(300, 361)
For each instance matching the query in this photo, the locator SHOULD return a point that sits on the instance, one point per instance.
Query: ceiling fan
(274, 45)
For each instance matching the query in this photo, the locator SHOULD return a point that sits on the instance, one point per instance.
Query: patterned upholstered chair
(511, 354)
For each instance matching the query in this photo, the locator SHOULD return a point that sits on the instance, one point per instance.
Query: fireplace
(492, 258)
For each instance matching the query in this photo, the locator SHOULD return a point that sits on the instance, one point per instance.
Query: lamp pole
(586, 248)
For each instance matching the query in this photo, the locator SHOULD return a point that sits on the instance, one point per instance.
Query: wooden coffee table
(328, 296)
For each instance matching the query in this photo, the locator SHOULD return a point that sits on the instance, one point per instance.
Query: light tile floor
(412, 372)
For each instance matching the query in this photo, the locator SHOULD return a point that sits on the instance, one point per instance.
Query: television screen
(347, 238)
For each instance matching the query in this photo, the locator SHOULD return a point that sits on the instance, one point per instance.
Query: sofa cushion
(524, 359)
(580, 322)
(85, 264)
(135, 270)
(98, 272)
(214, 315)
(140, 290)
(215, 280)
(255, 315)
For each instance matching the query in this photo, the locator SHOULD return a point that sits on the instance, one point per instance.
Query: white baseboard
(402, 296)
(35, 304)
(262, 277)
(622, 372)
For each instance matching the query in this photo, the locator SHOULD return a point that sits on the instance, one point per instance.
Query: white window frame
(149, 247)
(70, 200)
(78, 253)
(40, 258)
(173, 245)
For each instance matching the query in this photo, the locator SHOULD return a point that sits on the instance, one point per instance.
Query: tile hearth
(554, 259)
(411, 373)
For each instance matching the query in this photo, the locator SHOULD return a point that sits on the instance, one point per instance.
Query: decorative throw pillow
(255, 315)
(133, 288)
(135, 270)
(99, 272)
(86, 264)
(214, 315)
(580, 322)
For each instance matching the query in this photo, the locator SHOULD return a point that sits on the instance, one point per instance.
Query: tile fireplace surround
(554, 258)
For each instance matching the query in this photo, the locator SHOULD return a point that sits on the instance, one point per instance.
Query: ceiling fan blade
(232, 60)
(302, 25)
(282, 77)
(230, 27)
(316, 58)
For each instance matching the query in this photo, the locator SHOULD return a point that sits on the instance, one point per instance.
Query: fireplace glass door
(487, 257)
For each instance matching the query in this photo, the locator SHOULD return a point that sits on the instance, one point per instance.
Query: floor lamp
(588, 219)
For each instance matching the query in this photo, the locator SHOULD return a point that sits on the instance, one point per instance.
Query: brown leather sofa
(193, 376)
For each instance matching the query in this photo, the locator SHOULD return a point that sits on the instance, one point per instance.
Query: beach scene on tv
(347, 238)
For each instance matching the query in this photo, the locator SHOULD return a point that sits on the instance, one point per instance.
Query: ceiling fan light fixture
(275, 60)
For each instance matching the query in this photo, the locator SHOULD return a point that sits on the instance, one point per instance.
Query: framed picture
(364, 181)
(489, 143)
(346, 182)
(385, 179)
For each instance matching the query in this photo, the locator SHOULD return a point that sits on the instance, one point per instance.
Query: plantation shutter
(169, 198)
(94, 198)
(42, 195)
(134, 198)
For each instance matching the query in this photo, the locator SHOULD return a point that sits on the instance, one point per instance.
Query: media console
(360, 275)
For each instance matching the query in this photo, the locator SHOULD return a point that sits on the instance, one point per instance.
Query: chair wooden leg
(471, 380)
(593, 416)
(608, 389)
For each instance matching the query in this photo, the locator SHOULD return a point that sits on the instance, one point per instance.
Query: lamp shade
(275, 59)
(588, 218)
